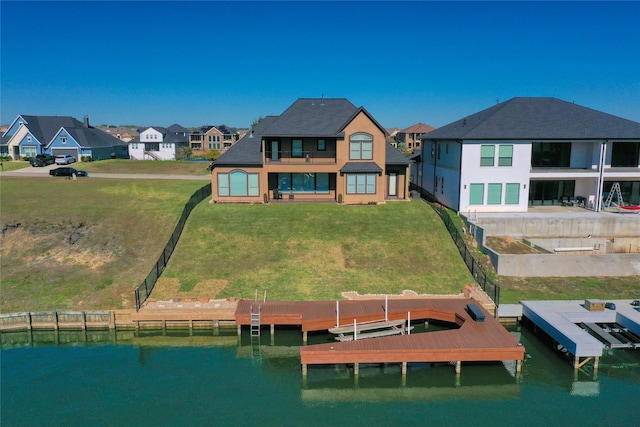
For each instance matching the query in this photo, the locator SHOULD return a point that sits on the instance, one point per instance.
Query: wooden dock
(471, 341)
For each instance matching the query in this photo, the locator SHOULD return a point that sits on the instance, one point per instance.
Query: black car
(67, 171)
(42, 160)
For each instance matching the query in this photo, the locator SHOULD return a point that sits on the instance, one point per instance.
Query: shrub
(86, 159)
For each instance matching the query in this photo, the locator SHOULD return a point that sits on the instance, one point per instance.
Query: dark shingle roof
(395, 157)
(313, 117)
(325, 117)
(247, 150)
(44, 128)
(361, 167)
(538, 118)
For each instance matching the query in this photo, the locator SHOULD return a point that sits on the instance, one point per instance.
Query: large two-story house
(318, 149)
(206, 138)
(28, 136)
(159, 143)
(529, 152)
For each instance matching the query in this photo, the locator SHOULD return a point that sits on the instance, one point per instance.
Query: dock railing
(143, 291)
(491, 288)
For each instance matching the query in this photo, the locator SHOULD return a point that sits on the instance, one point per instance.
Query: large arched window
(361, 146)
(238, 183)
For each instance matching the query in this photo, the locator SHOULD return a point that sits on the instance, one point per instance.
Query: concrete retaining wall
(561, 227)
(565, 265)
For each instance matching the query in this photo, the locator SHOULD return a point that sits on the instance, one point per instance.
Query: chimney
(86, 121)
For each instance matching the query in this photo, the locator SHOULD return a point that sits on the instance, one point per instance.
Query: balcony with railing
(301, 157)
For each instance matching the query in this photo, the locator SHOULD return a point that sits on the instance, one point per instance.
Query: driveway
(44, 172)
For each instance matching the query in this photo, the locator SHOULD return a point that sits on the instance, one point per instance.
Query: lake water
(182, 378)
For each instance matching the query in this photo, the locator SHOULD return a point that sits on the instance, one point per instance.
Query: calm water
(181, 379)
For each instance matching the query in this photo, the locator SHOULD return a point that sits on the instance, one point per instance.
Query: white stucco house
(530, 151)
(159, 143)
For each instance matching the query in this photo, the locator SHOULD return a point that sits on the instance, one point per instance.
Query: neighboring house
(212, 137)
(159, 143)
(528, 152)
(123, 133)
(317, 150)
(411, 136)
(28, 136)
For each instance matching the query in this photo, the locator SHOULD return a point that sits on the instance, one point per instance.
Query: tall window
(303, 183)
(487, 153)
(512, 194)
(238, 183)
(296, 148)
(551, 154)
(361, 146)
(494, 194)
(322, 146)
(361, 183)
(625, 154)
(505, 155)
(476, 194)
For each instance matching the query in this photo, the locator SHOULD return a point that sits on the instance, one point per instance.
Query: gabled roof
(395, 156)
(538, 118)
(225, 130)
(326, 117)
(172, 134)
(247, 150)
(417, 128)
(313, 117)
(176, 128)
(45, 128)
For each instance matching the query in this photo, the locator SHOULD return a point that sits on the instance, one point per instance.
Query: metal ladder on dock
(255, 335)
(255, 322)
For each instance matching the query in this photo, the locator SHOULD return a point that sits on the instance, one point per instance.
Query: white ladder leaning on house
(615, 191)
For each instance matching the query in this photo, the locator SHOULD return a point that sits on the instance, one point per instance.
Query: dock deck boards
(472, 341)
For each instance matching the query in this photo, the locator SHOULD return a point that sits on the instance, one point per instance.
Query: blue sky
(210, 62)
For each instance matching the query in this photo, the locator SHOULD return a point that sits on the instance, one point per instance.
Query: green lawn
(14, 165)
(169, 167)
(82, 244)
(314, 251)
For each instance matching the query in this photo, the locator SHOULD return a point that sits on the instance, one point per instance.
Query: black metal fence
(489, 286)
(144, 289)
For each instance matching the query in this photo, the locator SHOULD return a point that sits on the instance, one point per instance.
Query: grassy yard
(515, 289)
(14, 165)
(82, 244)
(145, 167)
(313, 251)
(87, 244)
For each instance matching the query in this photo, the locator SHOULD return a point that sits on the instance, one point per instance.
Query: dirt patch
(509, 245)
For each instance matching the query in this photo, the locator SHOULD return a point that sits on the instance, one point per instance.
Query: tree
(212, 154)
(183, 153)
(256, 121)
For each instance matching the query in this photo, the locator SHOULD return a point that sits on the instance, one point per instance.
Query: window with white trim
(361, 146)
(361, 183)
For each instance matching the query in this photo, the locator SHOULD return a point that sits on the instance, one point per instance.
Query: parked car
(67, 171)
(65, 160)
(42, 160)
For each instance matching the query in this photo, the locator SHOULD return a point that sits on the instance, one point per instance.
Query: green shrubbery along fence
(144, 289)
(489, 286)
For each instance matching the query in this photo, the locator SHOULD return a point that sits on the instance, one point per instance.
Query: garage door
(63, 151)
